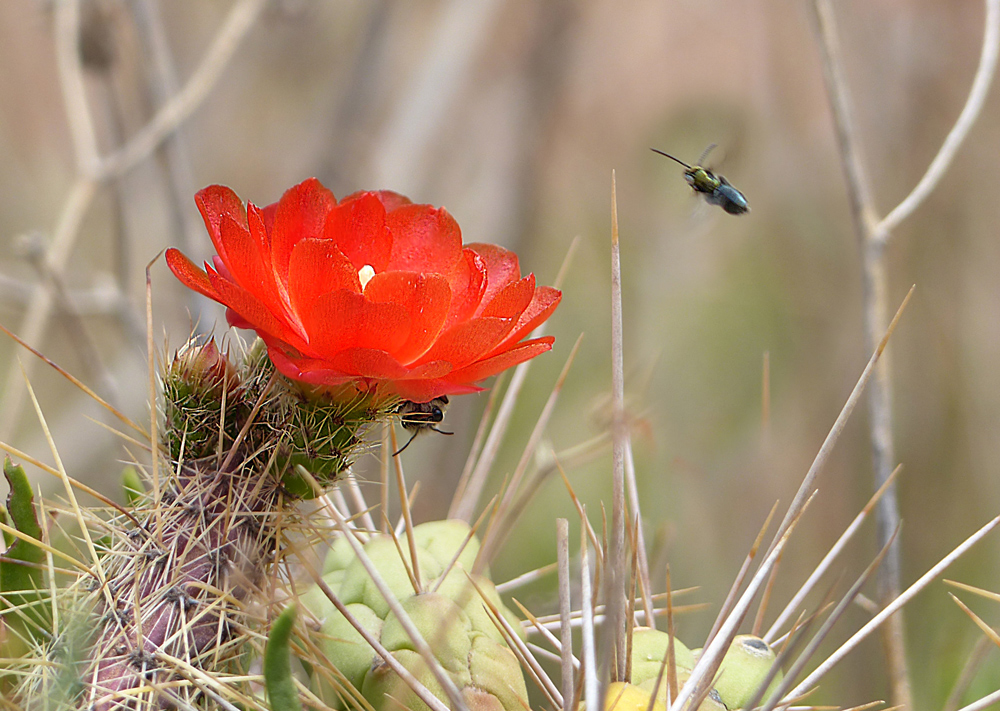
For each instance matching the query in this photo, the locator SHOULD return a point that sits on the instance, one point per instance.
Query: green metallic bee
(715, 188)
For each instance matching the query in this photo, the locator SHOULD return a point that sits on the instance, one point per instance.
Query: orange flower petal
(247, 267)
(543, 303)
(190, 275)
(368, 363)
(468, 285)
(317, 267)
(424, 239)
(300, 215)
(359, 230)
(307, 370)
(427, 390)
(214, 202)
(507, 359)
(511, 301)
(390, 200)
(430, 319)
(253, 311)
(426, 298)
(502, 268)
(462, 344)
(341, 319)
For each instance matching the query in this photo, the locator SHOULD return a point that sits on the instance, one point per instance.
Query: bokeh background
(513, 114)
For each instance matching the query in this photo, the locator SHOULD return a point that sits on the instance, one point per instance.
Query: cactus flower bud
(450, 613)
(743, 670)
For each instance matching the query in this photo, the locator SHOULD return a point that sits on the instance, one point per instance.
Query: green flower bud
(442, 625)
(497, 681)
(744, 669)
(197, 383)
(357, 586)
(451, 615)
(200, 368)
(344, 645)
(649, 647)
(386, 691)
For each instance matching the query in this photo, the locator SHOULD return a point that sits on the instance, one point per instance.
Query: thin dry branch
(873, 235)
(958, 133)
(94, 170)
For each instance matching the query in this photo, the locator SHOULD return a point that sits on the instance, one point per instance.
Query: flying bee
(715, 188)
(420, 417)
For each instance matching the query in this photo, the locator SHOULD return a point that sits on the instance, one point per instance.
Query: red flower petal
(214, 202)
(468, 285)
(390, 200)
(368, 363)
(304, 369)
(432, 370)
(500, 362)
(253, 311)
(300, 214)
(267, 215)
(430, 319)
(511, 301)
(247, 267)
(541, 307)
(317, 267)
(190, 275)
(464, 343)
(342, 319)
(424, 240)
(425, 297)
(427, 390)
(359, 230)
(502, 268)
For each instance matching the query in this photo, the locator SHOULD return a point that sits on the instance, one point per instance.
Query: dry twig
(873, 235)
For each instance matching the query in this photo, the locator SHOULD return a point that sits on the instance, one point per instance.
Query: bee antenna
(400, 450)
(704, 153)
(656, 150)
(441, 431)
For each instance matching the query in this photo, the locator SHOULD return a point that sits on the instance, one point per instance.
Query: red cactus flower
(372, 291)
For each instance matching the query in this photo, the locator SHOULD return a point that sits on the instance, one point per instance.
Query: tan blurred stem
(591, 687)
(873, 235)
(565, 607)
(614, 591)
(971, 667)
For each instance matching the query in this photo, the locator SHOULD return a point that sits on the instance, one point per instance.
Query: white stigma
(365, 275)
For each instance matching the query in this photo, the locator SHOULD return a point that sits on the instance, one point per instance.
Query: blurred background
(513, 114)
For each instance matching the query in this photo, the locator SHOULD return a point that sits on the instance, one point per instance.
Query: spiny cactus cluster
(176, 575)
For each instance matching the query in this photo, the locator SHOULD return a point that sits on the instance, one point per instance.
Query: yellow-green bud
(743, 670)
(649, 647)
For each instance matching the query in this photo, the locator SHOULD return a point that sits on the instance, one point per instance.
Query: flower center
(365, 275)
